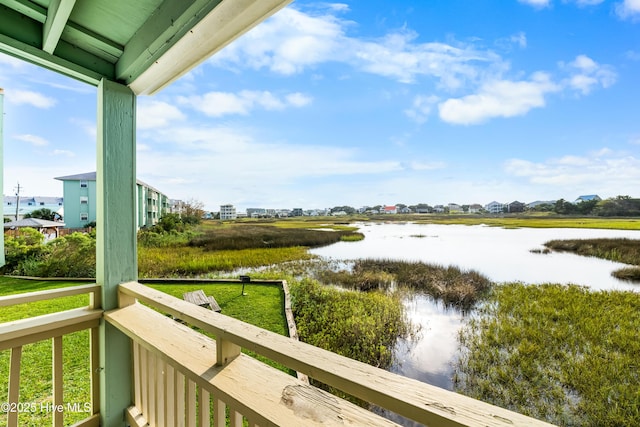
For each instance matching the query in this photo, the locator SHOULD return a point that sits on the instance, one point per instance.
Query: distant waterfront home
(455, 208)
(475, 208)
(515, 207)
(228, 212)
(80, 201)
(390, 210)
(28, 204)
(587, 198)
(495, 207)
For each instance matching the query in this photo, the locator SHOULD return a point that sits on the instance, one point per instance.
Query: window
(83, 184)
(41, 203)
(84, 200)
(9, 203)
(84, 217)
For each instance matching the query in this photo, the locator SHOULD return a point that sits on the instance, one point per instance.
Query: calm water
(503, 255)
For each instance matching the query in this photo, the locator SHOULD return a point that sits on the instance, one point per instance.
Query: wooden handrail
(410, 398)
(15, 334)
(34, 329)
(9, 300)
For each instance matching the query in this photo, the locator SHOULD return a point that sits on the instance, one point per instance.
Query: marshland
(469, 307)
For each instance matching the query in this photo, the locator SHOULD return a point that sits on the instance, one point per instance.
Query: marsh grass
(559, 353)
(626, 251)
(453, 286)
(250, 236)
(191, 261)
(362, 326)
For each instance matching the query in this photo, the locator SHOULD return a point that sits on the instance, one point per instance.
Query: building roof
(144, 44)
(588, 197)
(91, 176)
(34, 223)
(35, 199)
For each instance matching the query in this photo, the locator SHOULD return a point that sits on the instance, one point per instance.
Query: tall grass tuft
(450, 284)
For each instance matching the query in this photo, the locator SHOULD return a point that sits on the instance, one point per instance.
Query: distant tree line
(615, 206)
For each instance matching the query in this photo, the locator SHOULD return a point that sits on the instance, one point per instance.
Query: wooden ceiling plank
(57, 17)
(164, 27)
(228, 21)
(27, 8)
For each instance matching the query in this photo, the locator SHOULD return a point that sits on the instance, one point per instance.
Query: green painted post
(2, 260)
(116, 259)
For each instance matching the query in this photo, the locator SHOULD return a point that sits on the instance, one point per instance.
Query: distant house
(495, 207)
(587, 198)
(390, 209)
(297, 212)
(475, 208)
(80, 201)
(455, 208)
(49, 228)
(228, 212)
(405, 210)
(438, 209)
(28, 204)
(515, 207)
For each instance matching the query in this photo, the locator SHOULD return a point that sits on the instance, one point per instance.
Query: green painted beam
(57, 17)
(21, 36)
(27, 8)
(116, 250)
(169, 22)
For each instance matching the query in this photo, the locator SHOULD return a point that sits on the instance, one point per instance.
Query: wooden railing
(15, 334)
(182, 377)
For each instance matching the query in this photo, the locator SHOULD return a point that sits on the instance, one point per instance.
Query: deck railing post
(116, 257)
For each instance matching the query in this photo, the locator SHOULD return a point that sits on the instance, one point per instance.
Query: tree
(192, 211)
(43, 213)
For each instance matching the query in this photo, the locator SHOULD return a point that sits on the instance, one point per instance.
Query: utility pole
(17, 200)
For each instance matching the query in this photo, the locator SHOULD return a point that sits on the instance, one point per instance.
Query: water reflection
(503, 255)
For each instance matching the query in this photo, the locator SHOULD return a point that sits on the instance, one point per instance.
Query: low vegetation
(563, 354)
(362, 326)
(626, 251)
(452, 285)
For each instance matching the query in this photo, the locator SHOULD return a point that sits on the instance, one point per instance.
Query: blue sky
(366, 103)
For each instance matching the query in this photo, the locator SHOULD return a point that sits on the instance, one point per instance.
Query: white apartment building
(228, 212)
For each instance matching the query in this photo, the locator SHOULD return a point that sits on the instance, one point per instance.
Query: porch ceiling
(145, 44)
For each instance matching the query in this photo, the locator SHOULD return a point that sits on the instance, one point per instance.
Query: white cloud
(629, 9)
(501, 98)
(299, 99)
(34, 140)
(539, 4)
(293, 41)
(200, 158)
(421, 108)
(586, 74)
(603, 171)
(153, 114)
(217, 104)
(35, 99)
